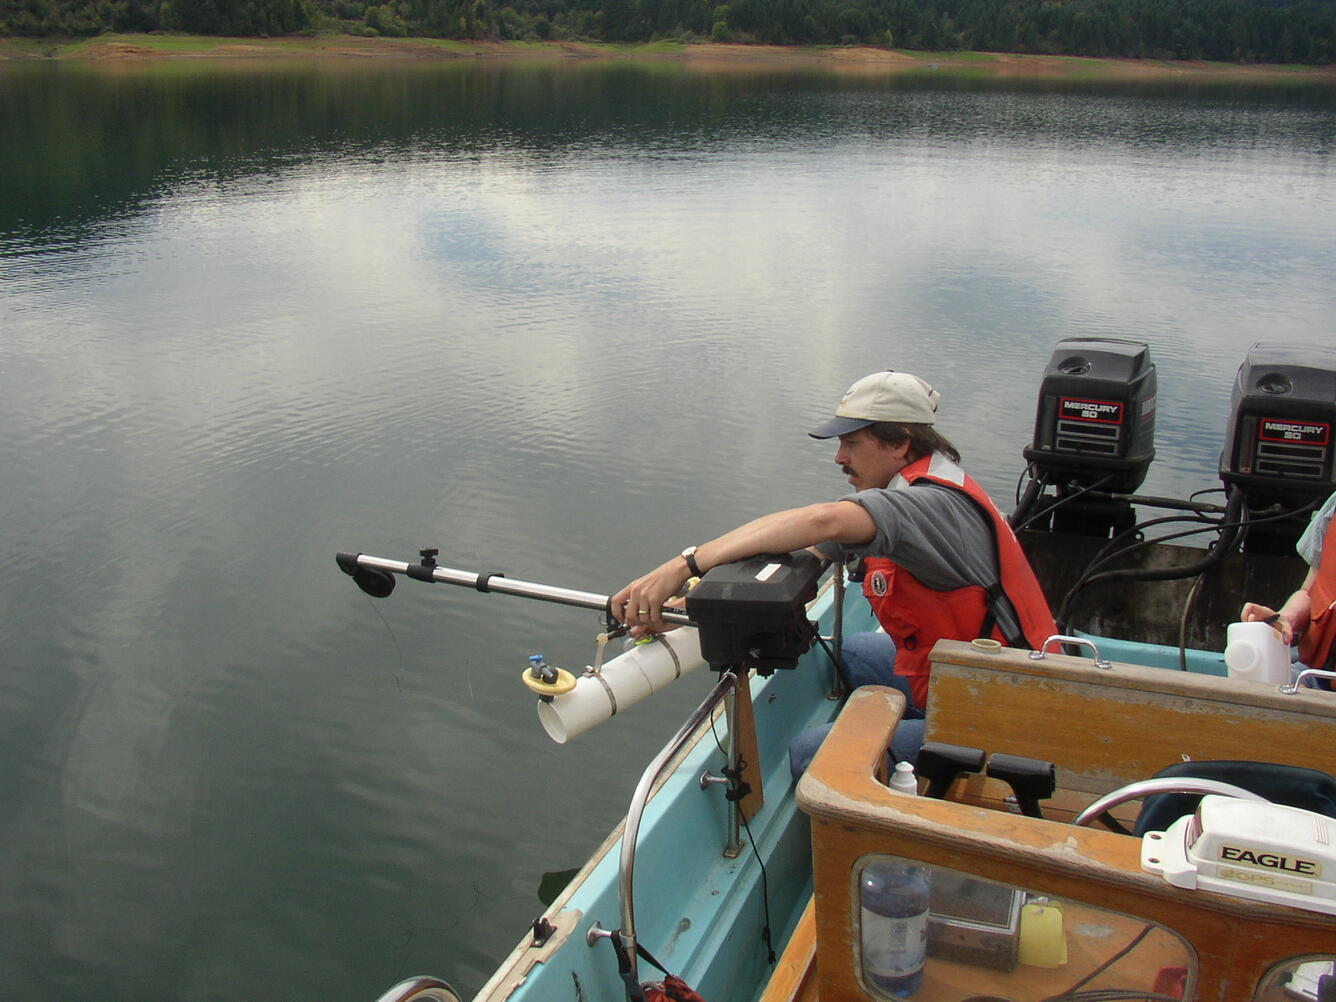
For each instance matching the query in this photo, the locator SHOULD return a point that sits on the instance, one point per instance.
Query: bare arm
(638, 603)
(1292, 617)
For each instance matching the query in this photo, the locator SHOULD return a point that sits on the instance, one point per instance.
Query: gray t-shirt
(936, 533)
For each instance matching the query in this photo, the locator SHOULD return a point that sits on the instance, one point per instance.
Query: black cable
(765, 894)
(765, 877)
(1108, 555)
(1188, 603)
(1246, 522)
(1060, 501)
(1136, 940)
(1225, 544)
(1108, 551)
(1222, 549)
(838, 661)
(1024, 502)
(1042, 480)
(1020, 479)
(1114, 995)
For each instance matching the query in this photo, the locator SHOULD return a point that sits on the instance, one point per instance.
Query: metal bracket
(1290, 688)
(1079, 641)
(597, 932)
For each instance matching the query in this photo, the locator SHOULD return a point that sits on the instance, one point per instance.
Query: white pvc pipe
(623, 682)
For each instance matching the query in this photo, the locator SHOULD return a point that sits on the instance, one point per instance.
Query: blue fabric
(905, 745)
(1291, 785)
(869, 659)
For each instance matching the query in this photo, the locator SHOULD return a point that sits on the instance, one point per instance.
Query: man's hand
(639, 605)
(1254, 613)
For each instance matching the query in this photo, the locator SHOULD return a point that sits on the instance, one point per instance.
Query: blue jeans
(869, 659)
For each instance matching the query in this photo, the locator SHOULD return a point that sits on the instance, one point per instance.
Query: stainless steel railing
(724, 688)
(420, 989)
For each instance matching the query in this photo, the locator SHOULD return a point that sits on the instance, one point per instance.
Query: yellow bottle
(1043, 942)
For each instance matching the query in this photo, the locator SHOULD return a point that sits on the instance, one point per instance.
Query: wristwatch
(689, 555)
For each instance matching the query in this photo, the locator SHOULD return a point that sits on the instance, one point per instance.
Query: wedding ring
(643, 612)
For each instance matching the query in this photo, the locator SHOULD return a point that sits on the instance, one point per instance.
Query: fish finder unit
(753, 613)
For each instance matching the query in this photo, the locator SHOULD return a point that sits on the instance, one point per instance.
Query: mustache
(847, 470)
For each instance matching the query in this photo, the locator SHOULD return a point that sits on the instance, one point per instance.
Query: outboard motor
(1278, 447)
(1094, 429)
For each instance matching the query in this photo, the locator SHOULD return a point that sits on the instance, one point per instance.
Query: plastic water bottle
(895, 898)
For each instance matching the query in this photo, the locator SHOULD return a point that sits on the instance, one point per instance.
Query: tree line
(1273, 31)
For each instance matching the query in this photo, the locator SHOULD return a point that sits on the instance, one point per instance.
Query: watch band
(689, 555)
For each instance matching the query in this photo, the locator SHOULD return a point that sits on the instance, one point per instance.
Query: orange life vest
(916, 617)
(1315, 646)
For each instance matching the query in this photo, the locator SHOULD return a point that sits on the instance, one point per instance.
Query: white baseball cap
(882, 396)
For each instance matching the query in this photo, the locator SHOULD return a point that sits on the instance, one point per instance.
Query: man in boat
(936, 557)
(1309, 613)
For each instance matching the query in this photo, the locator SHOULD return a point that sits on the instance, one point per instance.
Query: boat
(1027, 817)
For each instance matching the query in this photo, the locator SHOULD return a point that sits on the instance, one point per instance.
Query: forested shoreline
(1242, 31)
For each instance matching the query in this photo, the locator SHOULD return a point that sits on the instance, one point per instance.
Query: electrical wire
(1110, 551)
(1092, 575)
(1246, 522)
(765, 878)
(1062, 500)
(1136, 940)
(1108, 554)
(1224, 545)
(1231, 528)
(1114, 995)
(1188, 603)
(1020, 479)
(837, 660)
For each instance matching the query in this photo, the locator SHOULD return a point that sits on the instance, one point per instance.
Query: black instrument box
(753, 613)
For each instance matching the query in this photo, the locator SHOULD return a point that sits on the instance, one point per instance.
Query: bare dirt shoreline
(131, 48)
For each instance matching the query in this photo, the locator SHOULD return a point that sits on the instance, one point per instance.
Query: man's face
(868, 461)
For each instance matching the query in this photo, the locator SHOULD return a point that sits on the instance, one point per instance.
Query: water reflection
(88, 143)
(558, 320)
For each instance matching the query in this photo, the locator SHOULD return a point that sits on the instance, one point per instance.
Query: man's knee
(869, 659)
(802, 749)
(905, 745)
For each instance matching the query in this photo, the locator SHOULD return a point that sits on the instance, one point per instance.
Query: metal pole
(497, 583)
(837, 637)
(734, 845)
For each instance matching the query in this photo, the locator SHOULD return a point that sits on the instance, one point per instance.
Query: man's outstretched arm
(638, 604)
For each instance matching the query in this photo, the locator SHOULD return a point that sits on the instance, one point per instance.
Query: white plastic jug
(1255, 651)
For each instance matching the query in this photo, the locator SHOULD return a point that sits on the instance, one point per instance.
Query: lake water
(558, 320)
